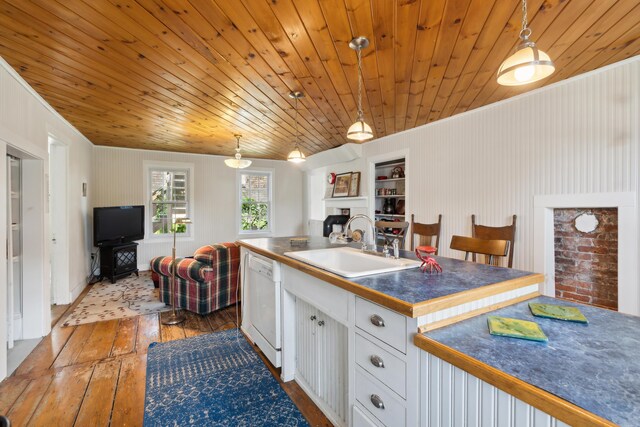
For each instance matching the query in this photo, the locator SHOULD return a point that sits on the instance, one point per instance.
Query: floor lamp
(174, 318)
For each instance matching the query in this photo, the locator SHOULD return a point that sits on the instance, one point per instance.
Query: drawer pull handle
(313, 317)
(377, 361)
(377, 320)
(377, 401)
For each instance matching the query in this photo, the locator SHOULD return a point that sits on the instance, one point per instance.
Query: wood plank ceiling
(180, 75)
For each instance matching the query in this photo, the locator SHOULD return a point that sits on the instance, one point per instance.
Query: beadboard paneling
(577, 136)
(454, 397)
(26, 122)
(119, 179)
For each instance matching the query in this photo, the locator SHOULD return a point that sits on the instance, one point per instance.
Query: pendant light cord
(526, 31)
(360, 112)
(297, 124)
(237, 144)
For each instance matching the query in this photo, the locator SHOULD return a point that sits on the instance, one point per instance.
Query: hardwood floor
(57, 311)
(94, 374)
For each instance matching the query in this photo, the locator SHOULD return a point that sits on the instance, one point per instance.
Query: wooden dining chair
(490, 248)
(507, 232)
(425, 233)
(386, 230)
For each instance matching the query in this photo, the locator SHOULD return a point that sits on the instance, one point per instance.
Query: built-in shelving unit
(14, 247)
(390, 192)
(337, 199)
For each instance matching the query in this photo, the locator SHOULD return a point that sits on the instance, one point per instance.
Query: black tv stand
(118, 260)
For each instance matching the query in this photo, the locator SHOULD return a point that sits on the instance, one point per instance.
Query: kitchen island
(409, 348)
(410, 292)
(586, 374)
(349, 342)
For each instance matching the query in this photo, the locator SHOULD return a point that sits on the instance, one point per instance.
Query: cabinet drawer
(382, 323)
(392, 411)
(392, 373)
(360, 419)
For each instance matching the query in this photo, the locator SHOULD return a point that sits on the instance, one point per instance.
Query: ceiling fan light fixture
(237, 162)
(360, 130)
(296, 155)
(528, 64)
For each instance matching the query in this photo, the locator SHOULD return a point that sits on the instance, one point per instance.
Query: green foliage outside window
(254, 215)
(165, 200)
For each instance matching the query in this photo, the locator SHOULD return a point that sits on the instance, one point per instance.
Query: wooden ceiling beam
(104, 68)
(474, 21)
(454, 15)
(185, 75)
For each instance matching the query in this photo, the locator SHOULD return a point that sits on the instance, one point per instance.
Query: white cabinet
(321, 362)
(385, 385)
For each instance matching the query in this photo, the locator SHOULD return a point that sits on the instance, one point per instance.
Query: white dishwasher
(262, 287)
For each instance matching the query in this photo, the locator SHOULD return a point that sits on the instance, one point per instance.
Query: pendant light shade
(296, 155)
(528, 64)
(237, 162)
(360, 130)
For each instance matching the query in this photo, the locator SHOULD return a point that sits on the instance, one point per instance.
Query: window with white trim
(169, 190)
(255, 202)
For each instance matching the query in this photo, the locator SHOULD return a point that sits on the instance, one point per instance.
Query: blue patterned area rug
(215, 379)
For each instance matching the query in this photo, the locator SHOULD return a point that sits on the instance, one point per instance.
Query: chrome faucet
(396, 248)
(373, 230)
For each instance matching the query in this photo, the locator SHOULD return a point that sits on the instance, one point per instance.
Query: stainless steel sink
(351, 262)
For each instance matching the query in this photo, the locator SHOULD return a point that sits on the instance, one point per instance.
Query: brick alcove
(586, 263)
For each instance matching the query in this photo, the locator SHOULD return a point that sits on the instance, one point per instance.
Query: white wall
(119, 180)
(577, 136)
(26, 122)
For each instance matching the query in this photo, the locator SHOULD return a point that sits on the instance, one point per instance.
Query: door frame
(58, 193)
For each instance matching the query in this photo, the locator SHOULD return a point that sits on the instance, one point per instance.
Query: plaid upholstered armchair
(205, 283)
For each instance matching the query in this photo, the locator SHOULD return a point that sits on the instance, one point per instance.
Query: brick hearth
(586, 264)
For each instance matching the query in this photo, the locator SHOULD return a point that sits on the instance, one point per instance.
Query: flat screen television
(117, 224)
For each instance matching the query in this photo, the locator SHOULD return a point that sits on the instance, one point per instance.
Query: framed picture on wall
(341, 186)
(354, 186)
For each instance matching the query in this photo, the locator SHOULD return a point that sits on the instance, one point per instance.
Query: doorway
(58, 222)
(27, 291)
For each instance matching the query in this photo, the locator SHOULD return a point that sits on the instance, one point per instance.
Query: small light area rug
(215, 379)
(128, 297)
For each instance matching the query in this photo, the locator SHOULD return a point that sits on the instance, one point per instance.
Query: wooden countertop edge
(395, 304)
(547, 402)
(402, 307)
(441, 303)
(477, 312)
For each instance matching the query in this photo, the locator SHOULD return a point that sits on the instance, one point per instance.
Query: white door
(58, 223)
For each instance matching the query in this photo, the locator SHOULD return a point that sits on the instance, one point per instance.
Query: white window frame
(270, 173)
(150, 166)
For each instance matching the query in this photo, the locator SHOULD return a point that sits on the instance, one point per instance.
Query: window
(255, 203)
(169, 189)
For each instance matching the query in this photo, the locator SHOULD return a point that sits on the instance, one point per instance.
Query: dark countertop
(412, 290)
(594, 366)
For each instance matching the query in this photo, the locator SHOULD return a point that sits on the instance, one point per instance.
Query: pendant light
(528, 64)
(237, 161)
(359, 131)
(296, 155)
